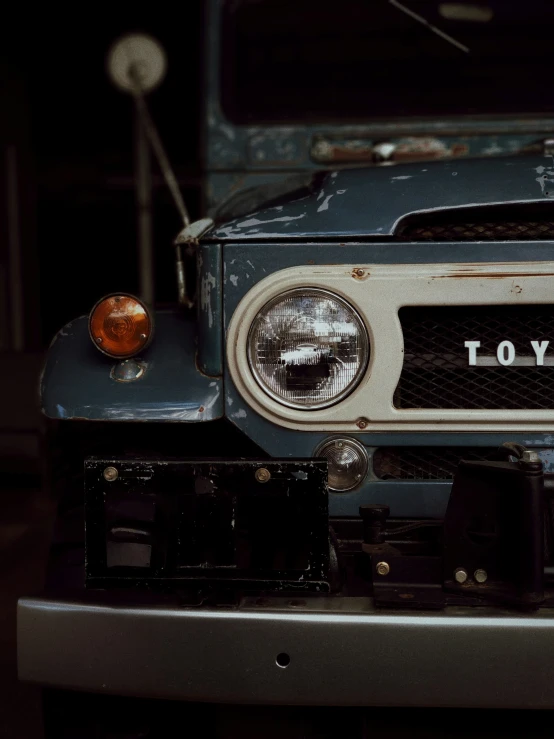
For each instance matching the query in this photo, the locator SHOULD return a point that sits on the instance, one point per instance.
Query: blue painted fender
(77, 381)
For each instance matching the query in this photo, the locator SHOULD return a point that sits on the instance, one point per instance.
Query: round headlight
(308, 348)
(347, 463)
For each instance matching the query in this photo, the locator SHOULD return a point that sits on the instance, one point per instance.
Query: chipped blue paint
(546, 179)
(373, 202)
(76, 382)
(209, 309)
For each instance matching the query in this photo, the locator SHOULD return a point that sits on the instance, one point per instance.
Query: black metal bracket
(236, 525)
(494, 531)
(490, 549)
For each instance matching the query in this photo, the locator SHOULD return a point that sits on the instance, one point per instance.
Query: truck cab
(331, 474)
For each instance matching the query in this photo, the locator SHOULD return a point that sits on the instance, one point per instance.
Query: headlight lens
(308, 348)
(347, 463)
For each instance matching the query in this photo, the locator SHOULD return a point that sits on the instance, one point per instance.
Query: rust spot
(358, 273)
(311, 261)
(488, 275)
(297, 603)
(355, 150)
(407, 149)
(406, 596)
(460, 150)
(416, 148)
(201, 409)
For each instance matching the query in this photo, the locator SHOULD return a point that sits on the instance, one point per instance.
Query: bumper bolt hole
(282, 660)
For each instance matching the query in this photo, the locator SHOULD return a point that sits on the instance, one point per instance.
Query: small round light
(120, 325)
(347, 463)
(308, 348)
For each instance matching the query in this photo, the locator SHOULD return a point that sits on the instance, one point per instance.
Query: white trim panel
(377, 295)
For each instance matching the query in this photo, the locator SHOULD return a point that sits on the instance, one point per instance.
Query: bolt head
(361, 423)
(262, 474)
(383, 568)
(480, 576)
(460, 575)
(529, 457)
(110, 474)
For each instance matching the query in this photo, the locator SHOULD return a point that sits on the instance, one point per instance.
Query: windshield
(325, 60)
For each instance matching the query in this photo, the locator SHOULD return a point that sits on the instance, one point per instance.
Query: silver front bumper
(342, 652)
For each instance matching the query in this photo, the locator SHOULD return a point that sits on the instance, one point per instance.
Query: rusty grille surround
(425, 463)
(436, 372)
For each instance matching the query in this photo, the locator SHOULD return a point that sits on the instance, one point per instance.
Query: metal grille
(425, 463)
(492, 231)
(521, 222)
(436, 371)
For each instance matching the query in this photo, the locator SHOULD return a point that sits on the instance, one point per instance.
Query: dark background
(72, 134)
(74, 137)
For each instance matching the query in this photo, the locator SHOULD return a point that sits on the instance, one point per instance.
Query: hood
(372, 202)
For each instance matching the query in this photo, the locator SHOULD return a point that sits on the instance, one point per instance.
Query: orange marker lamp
(120, 325)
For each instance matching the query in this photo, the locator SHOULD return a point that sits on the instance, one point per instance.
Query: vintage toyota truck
(328, 483)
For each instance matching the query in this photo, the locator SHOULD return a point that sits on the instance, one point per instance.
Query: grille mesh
(492, 231)
(436, 372)
(425, 463)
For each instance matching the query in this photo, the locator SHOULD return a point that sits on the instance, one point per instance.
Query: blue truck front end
(235, 542)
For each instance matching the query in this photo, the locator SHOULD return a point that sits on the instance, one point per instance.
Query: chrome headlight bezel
(363, 338)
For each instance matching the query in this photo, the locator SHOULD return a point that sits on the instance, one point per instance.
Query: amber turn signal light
(120, 325)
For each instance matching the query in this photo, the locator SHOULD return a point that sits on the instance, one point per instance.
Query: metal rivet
(460, 575)
(98, 339)
(480, 576)
(382, 568)
(361, 423)
(262, 474)
(142, 337)
(110, 474)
